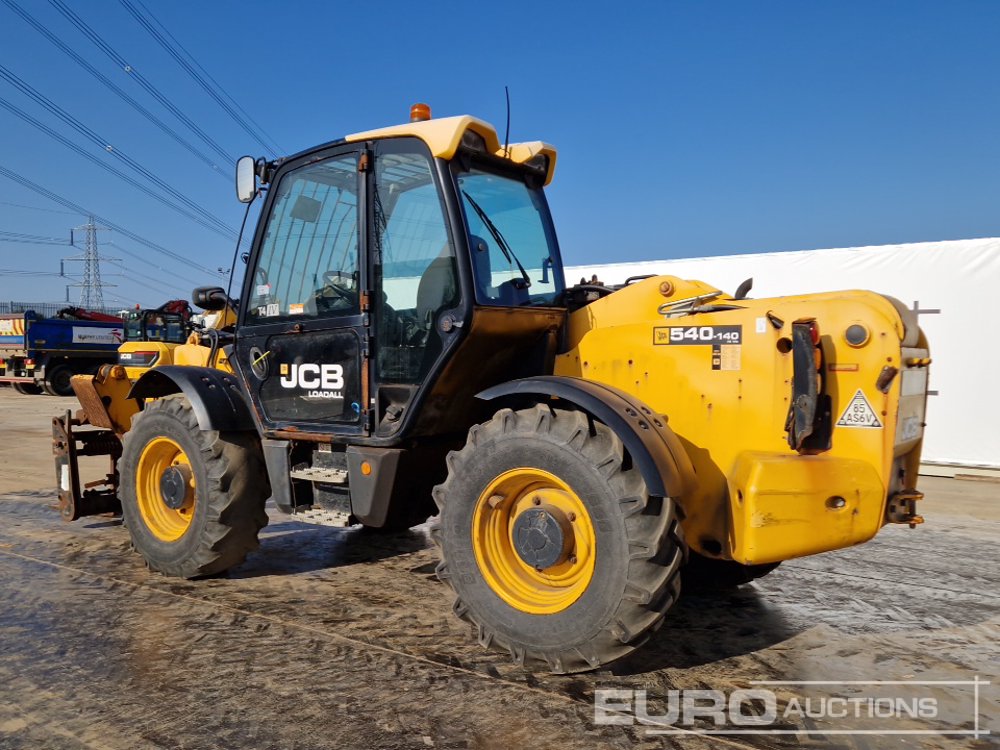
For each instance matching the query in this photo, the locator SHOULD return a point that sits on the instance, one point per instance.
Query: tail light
(808, 421)
(813, 327)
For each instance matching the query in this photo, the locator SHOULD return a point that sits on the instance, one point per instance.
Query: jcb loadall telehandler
(404, 331)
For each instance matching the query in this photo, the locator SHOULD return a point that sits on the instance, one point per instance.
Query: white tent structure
(950, 284)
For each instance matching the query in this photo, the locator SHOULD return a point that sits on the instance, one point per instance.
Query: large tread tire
(27, 389)
(639, 543)
(231, 489)
(707, 574)
(57, 381)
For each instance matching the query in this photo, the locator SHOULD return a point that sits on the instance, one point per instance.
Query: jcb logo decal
(322, 377)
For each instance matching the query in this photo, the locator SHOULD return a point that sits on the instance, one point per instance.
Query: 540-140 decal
(697, 335)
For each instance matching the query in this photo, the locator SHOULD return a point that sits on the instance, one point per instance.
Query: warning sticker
(725, 356)
(859, 413)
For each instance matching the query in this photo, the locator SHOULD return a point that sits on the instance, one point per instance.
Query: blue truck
(42, 354)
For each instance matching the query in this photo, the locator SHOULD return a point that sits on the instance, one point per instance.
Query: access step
(316, 474)
(323, 517)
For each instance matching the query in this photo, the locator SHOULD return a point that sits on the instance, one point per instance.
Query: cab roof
(444, 135)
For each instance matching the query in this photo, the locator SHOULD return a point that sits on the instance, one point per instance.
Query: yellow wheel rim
(496, 532)
(167, 516)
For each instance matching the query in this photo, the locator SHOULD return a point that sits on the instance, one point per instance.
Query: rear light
(29, 362)
(813, 332)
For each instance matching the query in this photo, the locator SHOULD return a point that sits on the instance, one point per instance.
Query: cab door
(302, 342)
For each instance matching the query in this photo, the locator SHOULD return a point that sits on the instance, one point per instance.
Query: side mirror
(246, 179)
(209, 297)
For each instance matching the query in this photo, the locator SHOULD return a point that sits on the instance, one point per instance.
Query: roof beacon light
(420, 112)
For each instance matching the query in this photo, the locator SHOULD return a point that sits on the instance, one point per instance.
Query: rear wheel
(57, 381)
(193, 499)
(27, 389)
(552, 543)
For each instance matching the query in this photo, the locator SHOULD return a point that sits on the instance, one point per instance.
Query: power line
(30, 239)
(159, 290)
(149, 88)
(208, 75)
(210, 90)
(169, 131)
(33, 242)
(161, 282)
(147, 263)
(55, 198)
(36, 208)
(16, 272)
(107, 167)
(104, 144)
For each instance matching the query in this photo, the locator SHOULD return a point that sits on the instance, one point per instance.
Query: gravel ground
(331, 638)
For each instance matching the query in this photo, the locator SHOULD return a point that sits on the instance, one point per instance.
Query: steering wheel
(341, 283)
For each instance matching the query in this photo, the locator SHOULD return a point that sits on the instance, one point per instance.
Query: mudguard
(655, 449)
(217, 397)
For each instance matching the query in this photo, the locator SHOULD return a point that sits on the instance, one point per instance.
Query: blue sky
(683, 128)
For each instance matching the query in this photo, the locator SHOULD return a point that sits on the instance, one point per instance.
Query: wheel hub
(540, 537)
(174, 486)
(533, 540)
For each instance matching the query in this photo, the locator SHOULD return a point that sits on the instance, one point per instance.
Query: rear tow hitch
(902, 507)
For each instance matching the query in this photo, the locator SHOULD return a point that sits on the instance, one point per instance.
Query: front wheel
(193, 499)
(551, 541)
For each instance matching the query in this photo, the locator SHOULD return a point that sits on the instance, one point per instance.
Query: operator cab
(156, 325)
(394, 274)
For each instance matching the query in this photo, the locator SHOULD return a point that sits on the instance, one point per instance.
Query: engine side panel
(723, 377)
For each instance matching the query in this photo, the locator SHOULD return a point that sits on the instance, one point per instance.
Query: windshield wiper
(508, 253)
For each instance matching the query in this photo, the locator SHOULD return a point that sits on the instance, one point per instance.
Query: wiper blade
(508, 253)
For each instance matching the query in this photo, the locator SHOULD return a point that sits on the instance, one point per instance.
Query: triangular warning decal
(859, 413)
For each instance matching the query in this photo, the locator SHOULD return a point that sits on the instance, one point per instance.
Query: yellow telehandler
(405, 332)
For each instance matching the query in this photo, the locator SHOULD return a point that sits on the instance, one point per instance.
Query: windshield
(515, 259)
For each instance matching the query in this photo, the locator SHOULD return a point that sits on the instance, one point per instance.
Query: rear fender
(217, 398)
(655, 450)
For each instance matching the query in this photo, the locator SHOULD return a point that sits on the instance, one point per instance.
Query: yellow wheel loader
(405, 332)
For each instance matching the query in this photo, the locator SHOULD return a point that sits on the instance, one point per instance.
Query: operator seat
(437, 290)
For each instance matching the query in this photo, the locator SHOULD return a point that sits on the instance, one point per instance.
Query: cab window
(308, 265)
(415, 265)
(515, 257)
